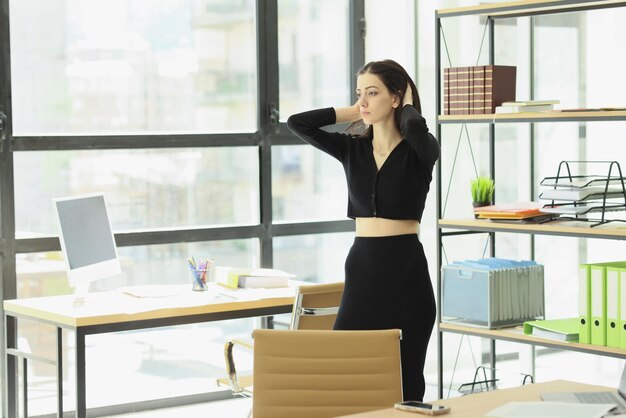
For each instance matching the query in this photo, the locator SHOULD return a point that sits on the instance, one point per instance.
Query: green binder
(584, 304)
(598, 304)
(564, 329)
(622, 308)
(613, 306)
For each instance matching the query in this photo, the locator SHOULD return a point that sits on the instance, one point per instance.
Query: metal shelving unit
(493, 12)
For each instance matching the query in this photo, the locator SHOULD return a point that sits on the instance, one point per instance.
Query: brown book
(446, 91)
(471, 91)
(463, 82)
(479, 89)
(453, 91)
(499, 85)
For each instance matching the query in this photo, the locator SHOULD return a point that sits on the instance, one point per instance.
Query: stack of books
(256, 278)
(526, 106)
(521, 212)
(477, 90)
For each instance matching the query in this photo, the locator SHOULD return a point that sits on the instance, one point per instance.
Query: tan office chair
(318, 374)
(315, 307)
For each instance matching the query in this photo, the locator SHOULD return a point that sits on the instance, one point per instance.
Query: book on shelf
(563, 329)
(257, 278)
(523, 109)
(534, 219)
(518, 210)
(591, 109)
(478, 89)
(530, 103)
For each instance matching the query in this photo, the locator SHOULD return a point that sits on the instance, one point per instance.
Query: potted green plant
(482, 191)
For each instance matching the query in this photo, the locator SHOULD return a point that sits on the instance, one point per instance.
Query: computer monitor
(87, 240)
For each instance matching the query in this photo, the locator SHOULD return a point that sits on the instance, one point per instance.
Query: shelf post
(438, 204)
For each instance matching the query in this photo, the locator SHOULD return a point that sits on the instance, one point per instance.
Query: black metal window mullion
(268, 114)
(143, 141)
(8, 287)
(358, 32)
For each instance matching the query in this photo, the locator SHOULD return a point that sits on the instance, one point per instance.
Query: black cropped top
(396, 191)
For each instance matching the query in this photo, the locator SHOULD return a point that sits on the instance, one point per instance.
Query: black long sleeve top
(398, 190)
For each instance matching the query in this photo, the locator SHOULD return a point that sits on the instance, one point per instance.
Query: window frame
(270, 132)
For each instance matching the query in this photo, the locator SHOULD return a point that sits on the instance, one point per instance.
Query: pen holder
(200, 279)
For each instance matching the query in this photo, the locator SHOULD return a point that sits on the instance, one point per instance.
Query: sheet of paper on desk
(155, 290)
(550, 410)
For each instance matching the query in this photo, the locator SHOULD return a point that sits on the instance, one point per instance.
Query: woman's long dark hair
(395, 78)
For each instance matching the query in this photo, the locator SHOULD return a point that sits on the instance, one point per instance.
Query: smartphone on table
(422, 407)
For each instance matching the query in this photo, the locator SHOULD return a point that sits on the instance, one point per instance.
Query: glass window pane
(307, 185)
(316, 258)
(162, 362)
(133, 66)
(397, 44)
(144, 188)
(313, 55)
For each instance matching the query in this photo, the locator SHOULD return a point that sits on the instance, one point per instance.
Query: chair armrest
(231, 371)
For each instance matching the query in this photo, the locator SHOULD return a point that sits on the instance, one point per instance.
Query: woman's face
(375, 102)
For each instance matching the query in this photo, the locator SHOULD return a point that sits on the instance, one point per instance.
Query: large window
(139, 66)
(313, 54)
(157, 104)
(146, 188)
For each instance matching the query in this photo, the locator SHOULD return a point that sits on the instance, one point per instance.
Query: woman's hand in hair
(348, 114)
(408, 96)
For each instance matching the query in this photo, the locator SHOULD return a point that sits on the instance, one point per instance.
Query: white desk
(477, 405)
(107, 312)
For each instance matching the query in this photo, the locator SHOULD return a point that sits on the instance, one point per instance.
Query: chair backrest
(313, 373)
(315, 306)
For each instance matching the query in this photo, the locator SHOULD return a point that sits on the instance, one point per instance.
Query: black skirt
(388, 286)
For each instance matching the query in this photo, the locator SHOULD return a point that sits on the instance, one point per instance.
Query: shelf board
(516, 334)
(528, 8)
(614, 230)
(582, 116)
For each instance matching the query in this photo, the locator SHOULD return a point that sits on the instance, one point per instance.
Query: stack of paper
(492, 292)
(577, 193)
(526, 106)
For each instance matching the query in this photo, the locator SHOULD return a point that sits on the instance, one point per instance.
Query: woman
(388, 170)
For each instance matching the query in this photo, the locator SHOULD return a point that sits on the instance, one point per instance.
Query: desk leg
(10, 327)
(59, 372)
(81, 403)
(266, 322)
(25, 388)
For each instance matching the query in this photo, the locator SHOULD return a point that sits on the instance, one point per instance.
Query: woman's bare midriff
(382, 227)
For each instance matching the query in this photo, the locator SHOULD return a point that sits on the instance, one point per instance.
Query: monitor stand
(80, 292)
